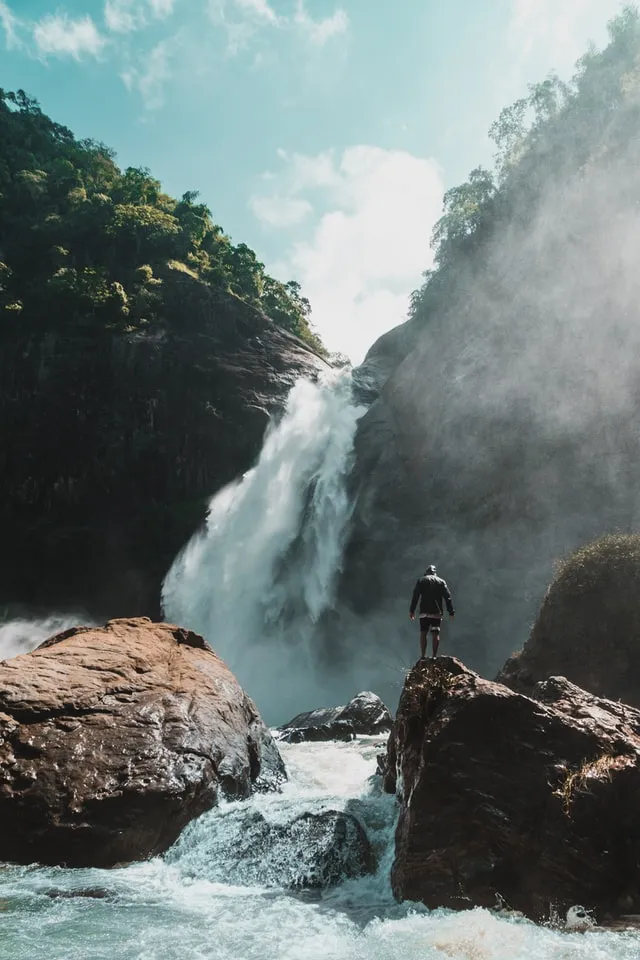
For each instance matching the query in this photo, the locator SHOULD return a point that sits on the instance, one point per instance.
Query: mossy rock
(588, 627)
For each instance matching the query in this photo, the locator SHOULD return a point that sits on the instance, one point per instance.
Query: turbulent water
(256, 581)
(194, 905)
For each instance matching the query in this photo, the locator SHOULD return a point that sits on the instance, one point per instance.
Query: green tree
(465, 207)
(82, 240)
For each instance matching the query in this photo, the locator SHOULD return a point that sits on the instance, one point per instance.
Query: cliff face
(506, 433)
(112, 444)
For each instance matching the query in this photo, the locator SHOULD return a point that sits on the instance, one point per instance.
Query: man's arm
(414, 599)
(448, 599)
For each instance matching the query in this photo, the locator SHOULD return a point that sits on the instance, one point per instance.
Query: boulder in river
(365, 714)
(502, 796)
(112, 739)
(312, 851)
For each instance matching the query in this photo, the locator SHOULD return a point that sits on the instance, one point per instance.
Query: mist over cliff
(508, 432)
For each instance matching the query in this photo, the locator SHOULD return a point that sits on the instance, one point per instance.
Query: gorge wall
(112, 445)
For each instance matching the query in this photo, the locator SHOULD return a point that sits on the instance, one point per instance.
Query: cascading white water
(258, 578)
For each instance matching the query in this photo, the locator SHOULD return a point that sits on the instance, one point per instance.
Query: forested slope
(84, 242)
(139, 364)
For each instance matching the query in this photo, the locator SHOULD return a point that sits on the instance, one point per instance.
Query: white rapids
(188, 906)
(258, 578)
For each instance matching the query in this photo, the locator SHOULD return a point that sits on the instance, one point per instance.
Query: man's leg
(424, 632)
(435, 637)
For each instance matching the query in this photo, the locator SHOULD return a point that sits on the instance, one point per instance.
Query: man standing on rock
(433, 593)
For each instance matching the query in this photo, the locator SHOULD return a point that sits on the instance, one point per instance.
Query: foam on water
(173, 908)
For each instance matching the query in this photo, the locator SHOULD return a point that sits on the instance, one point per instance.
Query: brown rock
(504, 796)
(112, 739)
(588, 625)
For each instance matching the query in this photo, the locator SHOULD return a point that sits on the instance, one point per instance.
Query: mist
(509, 434)
(503, 431)
(24, 634)
(259, 578)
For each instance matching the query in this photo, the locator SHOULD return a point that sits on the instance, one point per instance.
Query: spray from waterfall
(256, 580)
(23, 634)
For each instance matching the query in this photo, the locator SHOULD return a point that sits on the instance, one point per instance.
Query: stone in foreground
(365, 714)
(534, 801)
(312, 851)
(112, 739)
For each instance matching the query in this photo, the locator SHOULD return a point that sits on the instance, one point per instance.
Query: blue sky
(320, 132)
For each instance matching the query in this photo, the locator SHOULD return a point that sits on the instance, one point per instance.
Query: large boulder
(112, 739)
(312, 851)
(588, 627)
(504, 796)
(365, 714)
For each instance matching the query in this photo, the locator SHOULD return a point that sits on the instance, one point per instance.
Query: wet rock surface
(313, 851)
(113, 739)
(365, 714)
(532, 801)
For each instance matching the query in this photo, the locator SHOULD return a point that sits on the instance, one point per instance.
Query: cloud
(161, 9)
(61, 36)
(150, 81)
(239, 32)
(320, 31)
(259, 9)
(120, 17)
(10, 24)
(280, 211)
(244, 21)
(367, 251)
(557, 29)
(124, 16)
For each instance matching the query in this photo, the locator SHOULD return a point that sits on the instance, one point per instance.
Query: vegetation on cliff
(556, 131)
(82, 242)
(589, 623)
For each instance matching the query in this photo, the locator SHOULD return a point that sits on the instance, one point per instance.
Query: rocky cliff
(112, 444)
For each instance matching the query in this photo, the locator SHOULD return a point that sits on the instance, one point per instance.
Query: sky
(322, 133)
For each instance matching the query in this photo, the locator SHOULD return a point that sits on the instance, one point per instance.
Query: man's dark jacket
(433, 594)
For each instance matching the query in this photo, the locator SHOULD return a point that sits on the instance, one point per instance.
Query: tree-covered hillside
(554, 132)
(83, 242)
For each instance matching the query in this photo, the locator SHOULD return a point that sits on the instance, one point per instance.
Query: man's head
(430, 570)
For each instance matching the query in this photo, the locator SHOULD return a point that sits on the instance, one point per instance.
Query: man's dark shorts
(430, 623)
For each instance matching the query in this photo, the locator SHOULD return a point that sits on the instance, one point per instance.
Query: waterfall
(256, 580)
